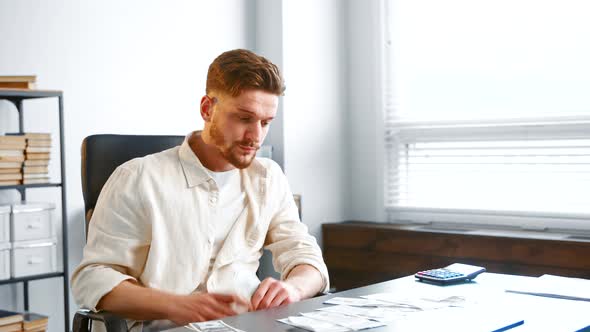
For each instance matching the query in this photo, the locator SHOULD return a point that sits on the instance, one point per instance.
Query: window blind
(487, 111)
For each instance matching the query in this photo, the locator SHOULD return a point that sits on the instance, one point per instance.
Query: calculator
(453, 273)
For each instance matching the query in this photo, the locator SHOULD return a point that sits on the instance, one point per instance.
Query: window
(487, 112)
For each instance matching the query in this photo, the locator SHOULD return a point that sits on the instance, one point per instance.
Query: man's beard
(232, 153)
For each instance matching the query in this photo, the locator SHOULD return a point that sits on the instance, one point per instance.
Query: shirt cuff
(94, 282)
(320, 266)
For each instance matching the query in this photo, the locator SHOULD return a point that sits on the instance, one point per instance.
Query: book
(11, 139)
(9, 182)
(9, 170)
(18, 78)
(10, 164)
(12, 145)
(10, 317)
(40, 136)
(31, 176)
(36, 329)
(33, 321)
(37, 149)
(13, 152)
(19, 159)
(35, 181)
(36, 162)
(17, 85)
(39, 142)
(18, 82)
(37, 156)
(14, 327)
(34, 169)
(11, 176)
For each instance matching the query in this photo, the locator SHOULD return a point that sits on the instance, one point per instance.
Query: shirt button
(212, 200)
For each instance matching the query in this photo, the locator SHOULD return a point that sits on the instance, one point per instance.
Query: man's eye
(245, 119)
(265, 123)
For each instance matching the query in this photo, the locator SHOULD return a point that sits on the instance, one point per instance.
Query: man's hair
(237, 70)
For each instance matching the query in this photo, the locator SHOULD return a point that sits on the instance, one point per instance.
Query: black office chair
(101, 154)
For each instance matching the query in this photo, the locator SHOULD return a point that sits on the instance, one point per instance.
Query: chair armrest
(112, 322)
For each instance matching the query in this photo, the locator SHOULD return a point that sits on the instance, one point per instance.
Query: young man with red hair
(178, 234)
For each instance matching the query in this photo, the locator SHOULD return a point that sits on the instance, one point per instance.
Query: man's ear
(207, 108)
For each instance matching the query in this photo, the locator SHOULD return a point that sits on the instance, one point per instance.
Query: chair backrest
(101, 154)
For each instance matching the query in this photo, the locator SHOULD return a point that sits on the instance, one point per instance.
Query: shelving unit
(16, 97)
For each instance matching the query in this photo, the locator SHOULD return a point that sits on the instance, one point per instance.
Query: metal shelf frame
(16, 97)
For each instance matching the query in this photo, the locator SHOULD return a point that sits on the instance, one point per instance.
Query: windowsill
(481, 231)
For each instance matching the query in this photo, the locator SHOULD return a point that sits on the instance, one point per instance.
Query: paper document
(556, 287)
(350, 322)
(311, 324)
(418, 303)
(355, 301)
(383, 315)
(212, 326)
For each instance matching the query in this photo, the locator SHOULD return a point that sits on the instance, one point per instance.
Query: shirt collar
(194, 171)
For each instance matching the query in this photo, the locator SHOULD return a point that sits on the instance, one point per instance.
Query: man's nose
(255, 132)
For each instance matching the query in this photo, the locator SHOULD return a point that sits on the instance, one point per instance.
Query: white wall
(268, 42)
(316, 109)
(365, 127)
(130, 66)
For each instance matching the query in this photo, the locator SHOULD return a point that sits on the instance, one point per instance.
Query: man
(178, 234)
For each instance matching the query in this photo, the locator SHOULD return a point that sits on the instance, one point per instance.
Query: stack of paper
(212, 326)
(323, 321)
(352, 314)
(401, 312)
(556, 287)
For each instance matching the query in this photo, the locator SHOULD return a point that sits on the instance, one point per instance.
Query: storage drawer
(31, 221)
(4, 223)
(4, 261)
(33, 257)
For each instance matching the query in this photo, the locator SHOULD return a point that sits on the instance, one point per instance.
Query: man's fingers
(270, 295)
(219, 305)
(224, 297)
(260, 292)
(220, 309)
(241, 301)
(279, 299)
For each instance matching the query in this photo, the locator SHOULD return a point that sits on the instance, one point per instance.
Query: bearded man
(177, 235)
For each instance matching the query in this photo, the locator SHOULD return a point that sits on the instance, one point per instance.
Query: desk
(540, 314)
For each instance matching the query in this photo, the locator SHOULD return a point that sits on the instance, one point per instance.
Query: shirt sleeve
(119, 236)
(288, 238)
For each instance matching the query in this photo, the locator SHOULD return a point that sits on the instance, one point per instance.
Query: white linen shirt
(151, 224)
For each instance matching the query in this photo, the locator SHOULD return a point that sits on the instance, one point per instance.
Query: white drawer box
(31, 221)
(33, 257)
(4, 261)
(4, 223)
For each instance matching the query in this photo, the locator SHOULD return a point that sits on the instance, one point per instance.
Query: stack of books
(33, 322)
(10, 321)
(12, 155)
(18, 82)
(22, 322)
(37, 155)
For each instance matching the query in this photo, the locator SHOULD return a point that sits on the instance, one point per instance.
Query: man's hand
(272, 293)
(133, 301)
(200, 307)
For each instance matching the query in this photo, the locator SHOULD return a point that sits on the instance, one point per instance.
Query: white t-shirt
(228, 202)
